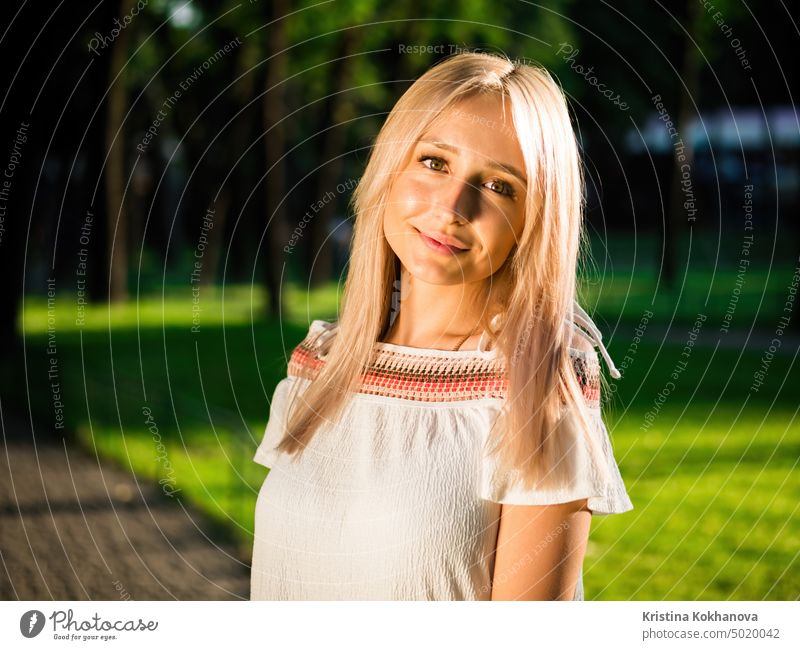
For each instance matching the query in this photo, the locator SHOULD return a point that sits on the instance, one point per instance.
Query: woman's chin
(432, 270)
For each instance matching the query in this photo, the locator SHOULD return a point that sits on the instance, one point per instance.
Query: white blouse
(397, 500)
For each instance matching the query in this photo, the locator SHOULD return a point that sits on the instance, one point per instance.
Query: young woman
(452, 448)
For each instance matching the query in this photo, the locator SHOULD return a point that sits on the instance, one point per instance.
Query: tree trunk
(338, 107)
(215, 237)
(690, 75)
(115, 168)
(274, 146)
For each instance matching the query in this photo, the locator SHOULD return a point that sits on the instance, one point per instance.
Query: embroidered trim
(587, 369)
(422, 377)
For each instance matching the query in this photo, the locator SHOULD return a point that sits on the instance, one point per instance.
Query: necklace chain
(461, 342)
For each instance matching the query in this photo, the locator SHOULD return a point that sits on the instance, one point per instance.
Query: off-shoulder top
(396, 499)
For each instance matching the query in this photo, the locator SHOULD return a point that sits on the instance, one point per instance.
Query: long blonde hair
(532, 292)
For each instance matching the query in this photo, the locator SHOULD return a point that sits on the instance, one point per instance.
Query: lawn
(713, 479)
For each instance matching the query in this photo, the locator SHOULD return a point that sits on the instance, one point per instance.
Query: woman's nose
(456, 197)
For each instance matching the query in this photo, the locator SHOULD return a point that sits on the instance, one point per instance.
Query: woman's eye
(501, 187)
(439, 164)
(432, 162)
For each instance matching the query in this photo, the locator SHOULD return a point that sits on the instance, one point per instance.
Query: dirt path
(75, 529)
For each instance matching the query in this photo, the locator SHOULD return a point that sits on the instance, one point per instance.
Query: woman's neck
(437, 316)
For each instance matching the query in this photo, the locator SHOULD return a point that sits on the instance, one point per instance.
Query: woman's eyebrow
(494, 164)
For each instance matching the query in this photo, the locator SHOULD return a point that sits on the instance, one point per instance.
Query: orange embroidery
(431, 378)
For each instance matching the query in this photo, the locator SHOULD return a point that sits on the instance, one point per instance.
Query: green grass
(208, 391)
(716, 503)
(231, 305)
(713, 480)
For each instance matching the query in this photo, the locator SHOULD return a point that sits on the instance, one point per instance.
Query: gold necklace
(462, 340)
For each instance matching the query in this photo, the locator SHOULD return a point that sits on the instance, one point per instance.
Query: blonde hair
(533, 291)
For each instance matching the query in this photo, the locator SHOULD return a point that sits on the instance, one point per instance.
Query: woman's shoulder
(308, 355)
(586, 364)
(579, 342)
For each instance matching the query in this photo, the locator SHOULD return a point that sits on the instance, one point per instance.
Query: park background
(159, 158)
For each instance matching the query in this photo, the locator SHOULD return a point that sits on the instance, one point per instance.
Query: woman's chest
(387, 479)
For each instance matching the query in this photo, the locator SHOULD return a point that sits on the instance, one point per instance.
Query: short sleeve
(304, 356)
(604, 490)
(266, 454)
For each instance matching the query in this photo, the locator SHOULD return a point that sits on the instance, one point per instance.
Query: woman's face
(464, 184)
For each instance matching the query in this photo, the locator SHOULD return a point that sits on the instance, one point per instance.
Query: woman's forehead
(489, 110)
(479, 125)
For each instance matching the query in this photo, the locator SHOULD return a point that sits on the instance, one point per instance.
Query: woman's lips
(443, 249)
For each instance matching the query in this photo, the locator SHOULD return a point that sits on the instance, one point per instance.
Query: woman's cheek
(494, 252)
(416, 190)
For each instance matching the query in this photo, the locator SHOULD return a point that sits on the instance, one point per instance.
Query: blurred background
(174, 212)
